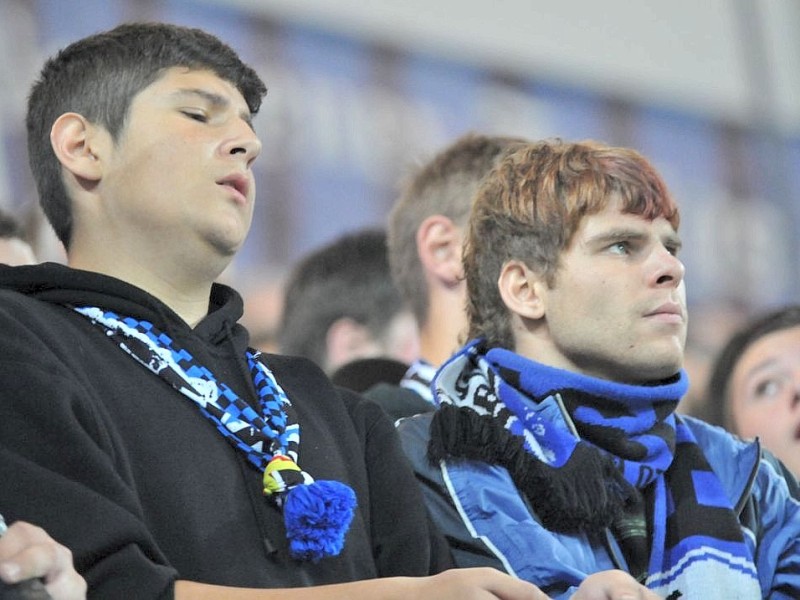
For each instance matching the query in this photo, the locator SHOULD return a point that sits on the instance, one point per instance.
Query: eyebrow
(215, 100)
(760, 366)
(626, 233)
(616, 234)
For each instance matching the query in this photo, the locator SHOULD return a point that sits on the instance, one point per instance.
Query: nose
(243, 142)
(794, 400)
(668, 269)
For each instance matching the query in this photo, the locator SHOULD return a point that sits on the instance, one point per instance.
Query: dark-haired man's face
(179, 176)
(617, 309)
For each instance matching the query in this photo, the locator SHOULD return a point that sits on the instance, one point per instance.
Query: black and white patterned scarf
(317, 514)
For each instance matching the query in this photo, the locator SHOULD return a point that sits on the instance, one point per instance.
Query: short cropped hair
(98, 77)
(348, 278)
(530, 206)
(443, 186)
(717, 401)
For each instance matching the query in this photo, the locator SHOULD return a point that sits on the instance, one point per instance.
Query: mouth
(237, 182)
(669, 311)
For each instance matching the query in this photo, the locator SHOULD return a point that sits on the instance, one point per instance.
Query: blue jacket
(488, 524)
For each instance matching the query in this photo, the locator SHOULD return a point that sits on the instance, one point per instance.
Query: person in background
(425, 239)
(340, 305)
(555, 452)
(136, 425)
(754, 386)
(342, 310)
(14, 250)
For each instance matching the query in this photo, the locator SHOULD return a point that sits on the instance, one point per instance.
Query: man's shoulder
(416, 426)
(29, 311)
(714, 436)
(304, 382)
(414, 435)
(21, 287)
(287, 362)
(735, 459)
(308, 386)
(727, 453)
(397, 401)
(10, 295)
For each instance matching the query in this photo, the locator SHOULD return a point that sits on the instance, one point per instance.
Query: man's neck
(444, 330)
(187, 295)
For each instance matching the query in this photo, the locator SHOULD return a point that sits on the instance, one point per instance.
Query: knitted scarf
(317, 514)
(587, 454)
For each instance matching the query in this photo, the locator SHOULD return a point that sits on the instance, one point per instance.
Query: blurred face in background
(764, 394)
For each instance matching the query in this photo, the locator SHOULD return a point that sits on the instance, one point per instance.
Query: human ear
(76, 142)
(439, 245)
(521, 290)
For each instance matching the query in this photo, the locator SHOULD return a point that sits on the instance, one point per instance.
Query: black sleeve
(60, 470)
(405, 540)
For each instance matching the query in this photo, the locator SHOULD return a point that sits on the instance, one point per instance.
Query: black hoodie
(128, 474)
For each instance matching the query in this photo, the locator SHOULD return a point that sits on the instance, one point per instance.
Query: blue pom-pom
(317, 518)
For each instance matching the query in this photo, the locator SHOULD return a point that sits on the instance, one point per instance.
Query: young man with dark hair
(340, 304)
(136, 426)
(555, 452)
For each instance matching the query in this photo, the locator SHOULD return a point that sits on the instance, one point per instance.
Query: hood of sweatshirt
(58, 284)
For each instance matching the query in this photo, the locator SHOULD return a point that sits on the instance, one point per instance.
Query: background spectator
(754, 387)
(341, 305)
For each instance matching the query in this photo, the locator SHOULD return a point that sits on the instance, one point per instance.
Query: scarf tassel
(317, 517)
(317, 514)
(588, 493)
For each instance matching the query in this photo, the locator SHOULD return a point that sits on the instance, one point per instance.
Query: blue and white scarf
(418, 379)
(582, 451)
(317, 514)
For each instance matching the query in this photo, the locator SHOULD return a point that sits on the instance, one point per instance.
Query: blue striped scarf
(582, 450)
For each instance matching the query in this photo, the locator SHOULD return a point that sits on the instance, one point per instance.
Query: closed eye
(195, 115)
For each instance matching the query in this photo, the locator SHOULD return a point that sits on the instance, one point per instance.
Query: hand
(26, 552)
(482, 583)
(613, 585)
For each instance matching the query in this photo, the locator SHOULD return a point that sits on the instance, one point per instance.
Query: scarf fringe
(587, 494)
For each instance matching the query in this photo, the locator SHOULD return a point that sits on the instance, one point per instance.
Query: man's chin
(648, 373)
(226, 247)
